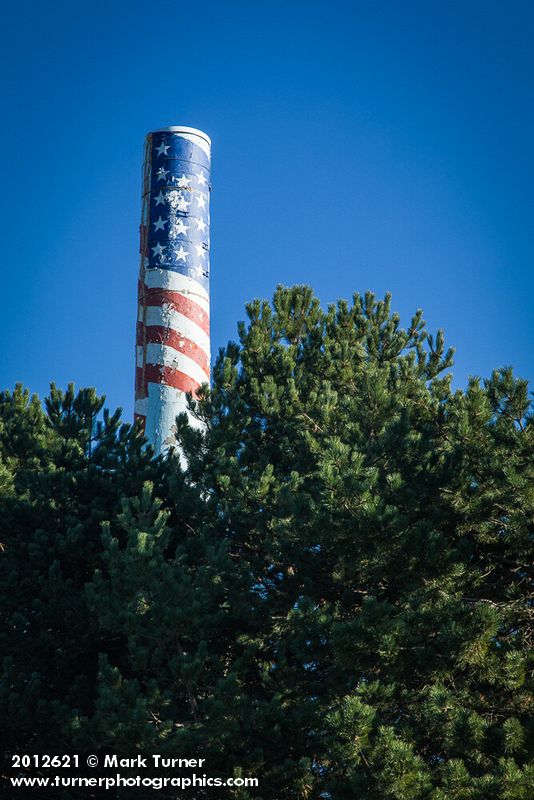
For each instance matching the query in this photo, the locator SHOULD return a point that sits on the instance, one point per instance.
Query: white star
(201, 200)
(179, 227)
(158, 250)
(160, 224)
(184, 182)
(160, 199)
(200, 250)
(197, 271)
(201, 225)
(181, 253)
(162, 174)
(201, 178)
(162, 149)
(178, 201)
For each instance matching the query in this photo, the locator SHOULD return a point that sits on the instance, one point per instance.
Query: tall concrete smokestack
(173, 336)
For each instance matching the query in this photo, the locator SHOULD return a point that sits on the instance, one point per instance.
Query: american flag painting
(173, 334)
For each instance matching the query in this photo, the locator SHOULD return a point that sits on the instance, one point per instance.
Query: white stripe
(139, 355)
(175, 282)
(141, 406)
(169, 357)
(164, 404)
(169, 318)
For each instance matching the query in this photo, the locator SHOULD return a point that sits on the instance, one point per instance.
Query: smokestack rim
(183, 129)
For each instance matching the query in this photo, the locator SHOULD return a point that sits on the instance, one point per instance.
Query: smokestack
(173, 335)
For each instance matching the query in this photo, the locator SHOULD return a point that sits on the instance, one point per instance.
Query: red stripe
(177, 301)
(140, 384)
(157, 334)
(156, 373)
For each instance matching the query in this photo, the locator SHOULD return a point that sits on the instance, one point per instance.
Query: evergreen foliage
(335, 597)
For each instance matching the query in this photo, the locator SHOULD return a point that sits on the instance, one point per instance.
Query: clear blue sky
(356, 145)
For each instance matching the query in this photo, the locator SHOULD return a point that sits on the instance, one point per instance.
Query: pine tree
(335, 596)
(64, 474)
(385, 525)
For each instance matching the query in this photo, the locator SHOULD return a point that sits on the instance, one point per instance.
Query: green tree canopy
(336, 595)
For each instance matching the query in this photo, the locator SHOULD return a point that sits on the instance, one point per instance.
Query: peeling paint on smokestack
(173, 334)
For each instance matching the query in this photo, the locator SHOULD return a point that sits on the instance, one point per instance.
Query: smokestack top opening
(184, 129)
